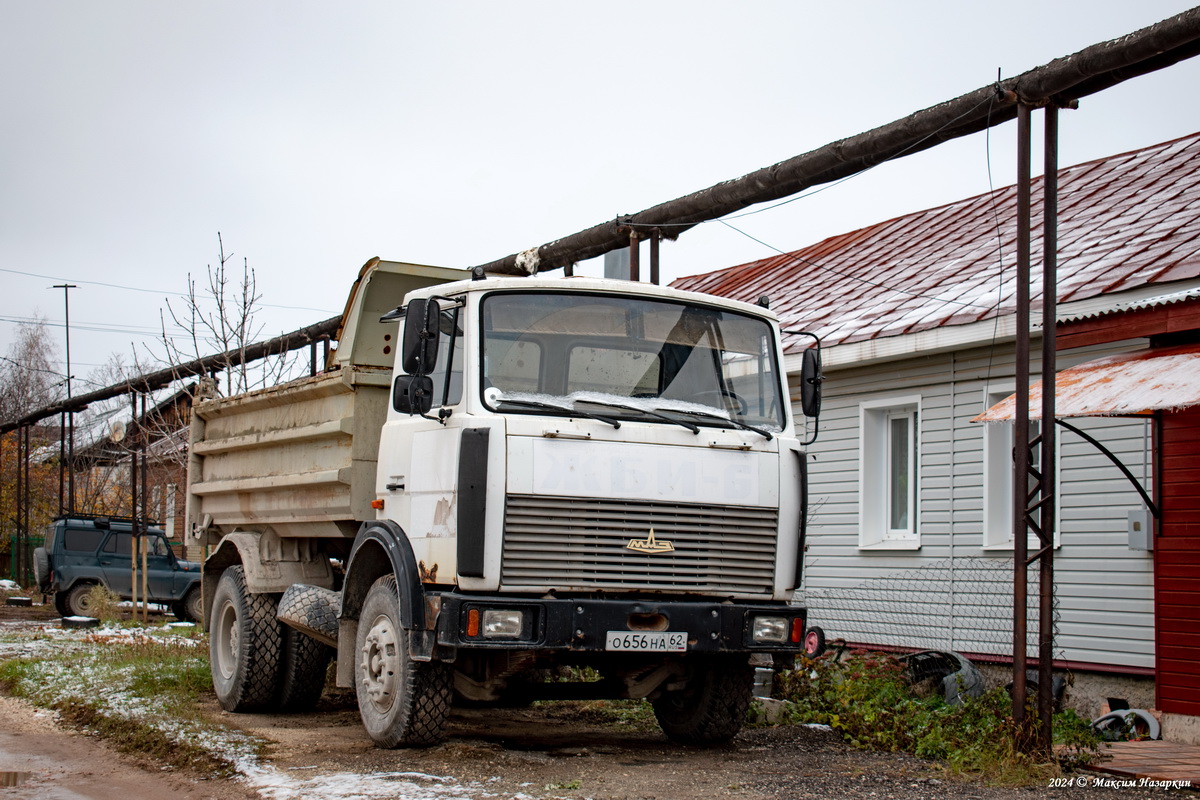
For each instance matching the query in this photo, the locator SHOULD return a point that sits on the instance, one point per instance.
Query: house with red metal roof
(910, 541)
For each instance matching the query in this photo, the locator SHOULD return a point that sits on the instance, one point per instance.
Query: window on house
(998, 478)
(889, 478)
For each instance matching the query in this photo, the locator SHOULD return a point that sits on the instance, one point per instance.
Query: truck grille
(560, 542)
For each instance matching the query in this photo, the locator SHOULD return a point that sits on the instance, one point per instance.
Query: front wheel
(244, 645)
(402, 702)
(191, 607)
(711, 707)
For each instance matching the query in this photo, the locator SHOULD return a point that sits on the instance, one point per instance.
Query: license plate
(658, 642)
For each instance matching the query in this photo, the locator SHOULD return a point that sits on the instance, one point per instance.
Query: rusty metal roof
(1164, 378)
(1125, 221)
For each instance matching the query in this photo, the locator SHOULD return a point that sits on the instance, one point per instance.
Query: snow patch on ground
(110, 692)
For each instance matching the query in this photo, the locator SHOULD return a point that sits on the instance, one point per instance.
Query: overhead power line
(1061, 81)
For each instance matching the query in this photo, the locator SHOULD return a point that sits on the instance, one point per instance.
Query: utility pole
(67, 287)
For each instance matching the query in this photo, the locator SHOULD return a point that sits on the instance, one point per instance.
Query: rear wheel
(79, 601)
(244, 645)
(302, 673)
(711, 707)
(402, 702)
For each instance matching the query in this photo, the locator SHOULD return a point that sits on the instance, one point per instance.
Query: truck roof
(600, 285)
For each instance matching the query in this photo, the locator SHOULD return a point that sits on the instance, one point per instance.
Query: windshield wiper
(736, 423)
(552, 407)
(640, 410)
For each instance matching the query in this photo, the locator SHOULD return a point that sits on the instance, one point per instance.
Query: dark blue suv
(82, 551)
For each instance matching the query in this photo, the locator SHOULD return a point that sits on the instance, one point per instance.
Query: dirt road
(547, 751)
(40, 760)
(542, 752)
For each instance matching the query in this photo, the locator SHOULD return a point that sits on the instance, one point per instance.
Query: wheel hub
(379, 663)
(229, 641)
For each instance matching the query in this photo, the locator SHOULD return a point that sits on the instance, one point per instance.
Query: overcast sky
(314, 136)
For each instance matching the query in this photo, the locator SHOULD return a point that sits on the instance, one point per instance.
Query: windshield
(628, 357)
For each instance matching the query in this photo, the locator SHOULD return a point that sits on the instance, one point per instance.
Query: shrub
(867, 698)
(106, 605)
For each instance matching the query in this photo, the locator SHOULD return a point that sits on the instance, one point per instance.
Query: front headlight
(502, 623)
(769, 630)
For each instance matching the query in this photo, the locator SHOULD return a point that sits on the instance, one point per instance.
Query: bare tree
(28, 379)
(221, 319)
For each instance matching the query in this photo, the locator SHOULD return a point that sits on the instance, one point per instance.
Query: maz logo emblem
(649, 545)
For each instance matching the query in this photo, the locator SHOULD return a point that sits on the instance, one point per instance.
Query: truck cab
(583, 474)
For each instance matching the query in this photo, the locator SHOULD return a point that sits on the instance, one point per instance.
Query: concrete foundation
(1181, 728)
(1087, 693)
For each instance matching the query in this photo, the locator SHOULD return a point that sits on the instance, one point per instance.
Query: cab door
(417, 478)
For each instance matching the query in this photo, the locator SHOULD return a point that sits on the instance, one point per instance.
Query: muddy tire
(302, 672)
(244, 645)
(403, 703)
(78, 601)
(60, 604)
(711, 708)
(191, 607)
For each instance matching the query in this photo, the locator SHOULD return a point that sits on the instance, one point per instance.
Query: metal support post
(635, 273)
(1021, 422)
(1049, 482)
(655, 240)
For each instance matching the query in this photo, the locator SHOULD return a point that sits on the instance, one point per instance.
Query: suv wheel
(79, 600)
(190, 608)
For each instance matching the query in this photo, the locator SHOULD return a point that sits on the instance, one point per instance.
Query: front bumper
(583, 624)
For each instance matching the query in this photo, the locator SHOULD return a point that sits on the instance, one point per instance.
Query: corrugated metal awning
(1164, 378)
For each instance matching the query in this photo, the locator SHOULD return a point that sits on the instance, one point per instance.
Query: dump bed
(299, 458)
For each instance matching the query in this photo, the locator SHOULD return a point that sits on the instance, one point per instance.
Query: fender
(233, 549)
(381, 546)
(272, 564)
(366, 565)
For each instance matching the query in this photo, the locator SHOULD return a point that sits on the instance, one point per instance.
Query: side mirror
(421, 337)
(810, 383)
(412, 394)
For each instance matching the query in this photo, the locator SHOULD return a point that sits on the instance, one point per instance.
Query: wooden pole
(134, 542)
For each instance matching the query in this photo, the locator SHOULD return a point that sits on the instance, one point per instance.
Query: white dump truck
(554, 473)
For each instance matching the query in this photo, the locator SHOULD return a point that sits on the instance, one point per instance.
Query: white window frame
(875, 478)
(998, 475)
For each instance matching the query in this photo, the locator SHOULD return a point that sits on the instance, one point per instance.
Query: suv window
(118, 543)
(82, 540)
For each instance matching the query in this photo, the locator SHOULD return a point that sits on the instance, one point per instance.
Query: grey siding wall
(954, 592)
